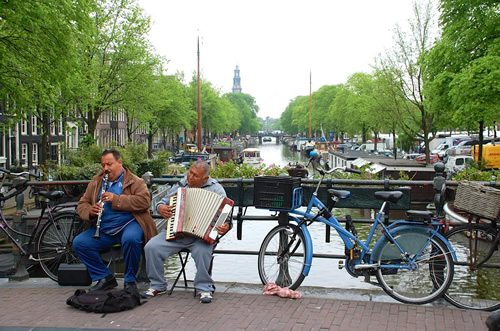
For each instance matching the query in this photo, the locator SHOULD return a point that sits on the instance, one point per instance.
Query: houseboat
(250, 156)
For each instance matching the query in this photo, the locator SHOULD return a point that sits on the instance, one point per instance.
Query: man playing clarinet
(116, 203)
(159, 249)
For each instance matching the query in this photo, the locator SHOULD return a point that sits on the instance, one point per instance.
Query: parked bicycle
(50, 241)
(476, 244)
(411, 259)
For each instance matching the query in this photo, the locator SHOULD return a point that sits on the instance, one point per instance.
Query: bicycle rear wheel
(476, 285)
(431, 274)
(282, 257)
(55, 242)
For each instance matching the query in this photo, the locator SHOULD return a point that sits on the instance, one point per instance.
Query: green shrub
(232, 170)
(474, 174)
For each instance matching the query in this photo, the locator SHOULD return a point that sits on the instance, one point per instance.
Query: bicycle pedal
(341, 264)
(365, 266)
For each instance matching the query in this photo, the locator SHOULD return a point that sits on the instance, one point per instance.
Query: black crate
(277, 192)
(73, 275)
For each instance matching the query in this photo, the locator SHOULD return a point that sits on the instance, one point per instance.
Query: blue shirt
(113, 221)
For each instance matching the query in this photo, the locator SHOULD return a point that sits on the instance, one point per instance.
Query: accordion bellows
(196, 213)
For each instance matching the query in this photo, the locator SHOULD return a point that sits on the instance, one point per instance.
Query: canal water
(243, 268)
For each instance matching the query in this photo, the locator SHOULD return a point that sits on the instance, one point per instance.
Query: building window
(24, 127)
(60, 131)
(24, 154)
(34, 130)
(34, 154)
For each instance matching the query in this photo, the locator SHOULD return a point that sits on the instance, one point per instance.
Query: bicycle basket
(477, 199)
(277, 192)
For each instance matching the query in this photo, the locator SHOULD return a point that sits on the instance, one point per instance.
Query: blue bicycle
(411, 260)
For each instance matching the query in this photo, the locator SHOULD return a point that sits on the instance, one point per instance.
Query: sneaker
(151, 293)
(205, 297)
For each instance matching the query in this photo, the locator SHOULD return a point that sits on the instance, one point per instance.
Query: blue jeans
(87, 248)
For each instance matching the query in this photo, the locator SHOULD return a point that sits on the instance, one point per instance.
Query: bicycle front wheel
(422, 281)
(282, 256)
(55, 242)
(476, 284)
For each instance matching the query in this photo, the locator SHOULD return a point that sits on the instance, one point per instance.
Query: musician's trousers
(157, 250)
(88, 248)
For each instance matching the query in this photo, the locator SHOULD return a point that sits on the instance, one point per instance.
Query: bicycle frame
(351, 241)
(8, 229)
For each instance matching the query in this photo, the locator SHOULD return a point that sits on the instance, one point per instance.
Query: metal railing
(241, 192)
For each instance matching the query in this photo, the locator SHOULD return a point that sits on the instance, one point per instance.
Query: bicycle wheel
(54, 244)
(429, 275)
(282, 256)
(476, 284)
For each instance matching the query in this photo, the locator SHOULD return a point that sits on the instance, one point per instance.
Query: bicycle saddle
(341, 194)
(53, 195)
(391, 196)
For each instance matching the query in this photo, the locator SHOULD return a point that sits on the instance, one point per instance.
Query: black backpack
(105, 301)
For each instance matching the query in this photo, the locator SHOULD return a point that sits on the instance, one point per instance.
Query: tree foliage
(247, 109)
(464, 65)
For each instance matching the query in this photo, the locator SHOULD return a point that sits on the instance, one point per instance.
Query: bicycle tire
(55, 242)
(432, 275)
(475, 285)
(286, 271)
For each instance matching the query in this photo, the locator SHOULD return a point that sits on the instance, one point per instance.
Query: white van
(457, 163)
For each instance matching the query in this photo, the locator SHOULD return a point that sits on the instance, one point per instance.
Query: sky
(277, 45)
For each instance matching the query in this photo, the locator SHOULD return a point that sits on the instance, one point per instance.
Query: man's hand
(222, 229)
(165, 211)
(95, 209)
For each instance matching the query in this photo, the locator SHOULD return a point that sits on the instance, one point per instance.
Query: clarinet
(97, 234)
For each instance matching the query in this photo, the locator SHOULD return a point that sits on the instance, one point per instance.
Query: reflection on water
(279, 154)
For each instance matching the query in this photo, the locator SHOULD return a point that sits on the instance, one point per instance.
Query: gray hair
(199, 164)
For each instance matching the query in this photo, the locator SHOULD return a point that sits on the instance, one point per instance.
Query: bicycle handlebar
(19, 174)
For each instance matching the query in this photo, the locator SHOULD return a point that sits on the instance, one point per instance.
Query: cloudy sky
(275, 43)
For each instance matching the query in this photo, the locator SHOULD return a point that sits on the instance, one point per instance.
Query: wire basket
(477, 199)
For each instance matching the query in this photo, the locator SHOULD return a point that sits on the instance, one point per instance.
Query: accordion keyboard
(170, 222)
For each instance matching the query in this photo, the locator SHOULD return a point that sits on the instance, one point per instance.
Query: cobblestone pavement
(40, 304)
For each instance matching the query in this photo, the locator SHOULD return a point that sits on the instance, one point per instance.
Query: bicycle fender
(383, 241)
(309, 246)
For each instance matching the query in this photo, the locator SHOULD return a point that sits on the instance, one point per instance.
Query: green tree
(247, 109)
(464, 65)
(218, 115)
(407, 72)
(37, 57)
(117, 54)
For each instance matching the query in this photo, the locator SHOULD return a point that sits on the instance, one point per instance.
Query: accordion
(196, 213)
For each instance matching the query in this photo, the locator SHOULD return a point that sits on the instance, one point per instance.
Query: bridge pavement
(40, 304)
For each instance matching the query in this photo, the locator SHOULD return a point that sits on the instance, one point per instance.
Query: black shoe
(130, 286)
(104, 284)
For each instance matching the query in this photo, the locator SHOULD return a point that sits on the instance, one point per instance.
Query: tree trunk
(150, 145)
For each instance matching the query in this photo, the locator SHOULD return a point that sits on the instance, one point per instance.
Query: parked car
(440, 150)
(457, 163)
(191, 148)
(433, 158)
(412, 156)
(463, 148)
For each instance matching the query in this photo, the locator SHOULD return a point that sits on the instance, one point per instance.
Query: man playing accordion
(158, 249)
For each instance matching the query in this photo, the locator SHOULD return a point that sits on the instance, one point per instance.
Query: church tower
(236, 81)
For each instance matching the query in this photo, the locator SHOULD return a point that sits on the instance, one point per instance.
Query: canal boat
(250, 156)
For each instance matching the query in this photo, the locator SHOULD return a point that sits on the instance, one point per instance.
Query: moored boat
(250, 156)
